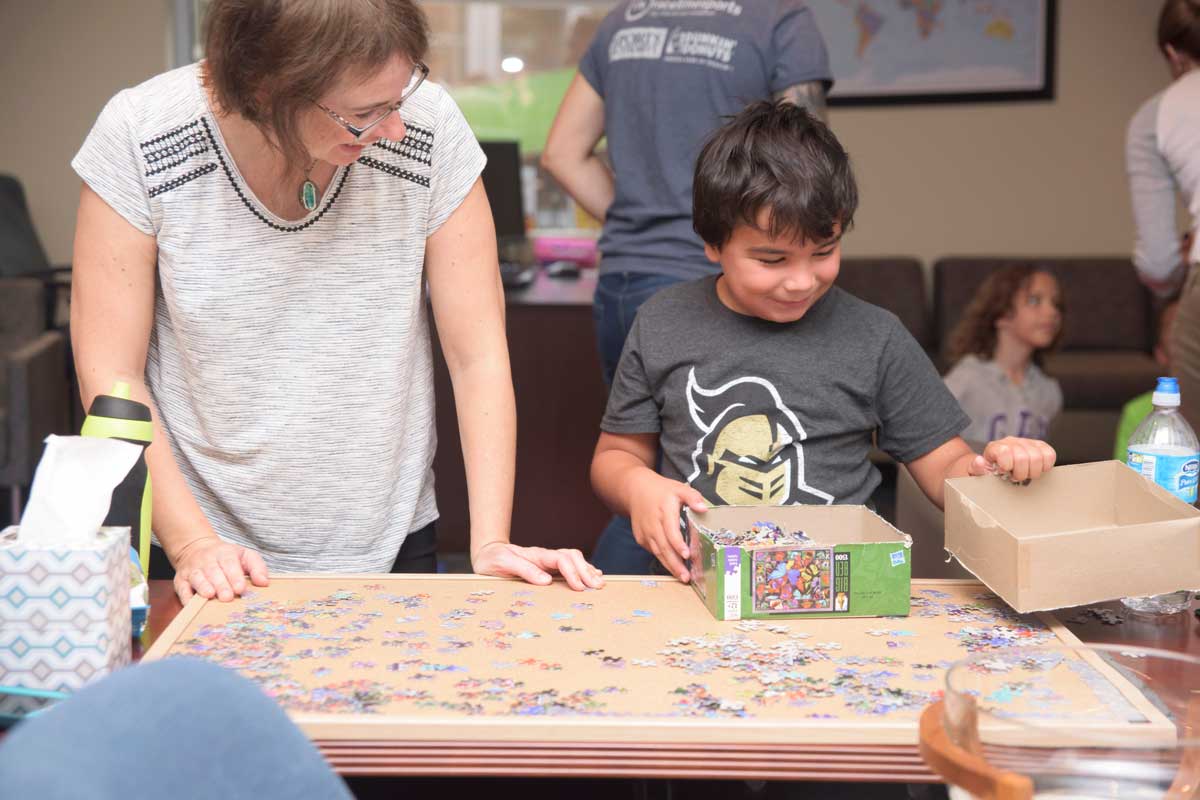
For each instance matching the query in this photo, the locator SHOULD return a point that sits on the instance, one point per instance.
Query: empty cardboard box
(1079, 534)
(852, 563)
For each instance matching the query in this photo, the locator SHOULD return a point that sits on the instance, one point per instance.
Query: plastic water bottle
(1164, 449)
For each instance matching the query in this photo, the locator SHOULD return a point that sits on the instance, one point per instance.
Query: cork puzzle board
(468, 658)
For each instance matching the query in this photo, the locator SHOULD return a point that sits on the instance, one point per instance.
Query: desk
(893, 763)
(560, 400)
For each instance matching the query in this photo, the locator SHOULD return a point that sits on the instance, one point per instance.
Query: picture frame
(935, 52)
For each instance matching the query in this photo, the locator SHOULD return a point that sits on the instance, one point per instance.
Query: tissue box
(852, 563)
(64, 612)
(1080, 534)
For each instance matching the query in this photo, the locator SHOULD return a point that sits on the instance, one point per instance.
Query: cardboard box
(64, 612)
(854, 565)
(1079, 534)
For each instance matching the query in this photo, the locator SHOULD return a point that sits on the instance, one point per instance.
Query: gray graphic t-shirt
(669, 71)
(997, 406)
(750, 411)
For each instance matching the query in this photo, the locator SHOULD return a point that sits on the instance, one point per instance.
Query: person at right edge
(656, 81)
(1162, 156)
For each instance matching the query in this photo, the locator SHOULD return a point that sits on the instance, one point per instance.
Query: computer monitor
(502, 182)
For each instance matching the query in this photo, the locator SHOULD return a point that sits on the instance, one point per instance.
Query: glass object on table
(1069, 723)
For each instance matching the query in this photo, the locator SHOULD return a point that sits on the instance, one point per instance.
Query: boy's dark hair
(975, 333)
(773, 156)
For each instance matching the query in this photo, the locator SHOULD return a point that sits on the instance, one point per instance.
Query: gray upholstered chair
(22, 254)
(34, 393)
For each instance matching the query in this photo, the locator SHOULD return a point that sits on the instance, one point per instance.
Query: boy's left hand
(1020, 460)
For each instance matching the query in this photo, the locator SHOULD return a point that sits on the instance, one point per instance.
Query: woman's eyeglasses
(419, 73)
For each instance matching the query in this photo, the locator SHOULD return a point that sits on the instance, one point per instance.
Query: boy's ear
(713, 253)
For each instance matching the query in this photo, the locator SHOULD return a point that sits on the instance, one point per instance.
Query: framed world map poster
(938, 51)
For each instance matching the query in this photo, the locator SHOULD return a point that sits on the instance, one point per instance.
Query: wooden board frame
(372, 744)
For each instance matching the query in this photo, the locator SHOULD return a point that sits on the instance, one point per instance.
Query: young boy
(766, 383)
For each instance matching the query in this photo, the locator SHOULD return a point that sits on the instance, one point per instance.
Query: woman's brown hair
(1179, 26)
(975, 333)
(268, 60)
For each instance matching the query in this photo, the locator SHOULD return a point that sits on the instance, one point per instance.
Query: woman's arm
(112, 311)
(468, 308)
(570, 152)
(1152, 192)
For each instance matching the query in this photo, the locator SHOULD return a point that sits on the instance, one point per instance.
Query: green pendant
(308, 195)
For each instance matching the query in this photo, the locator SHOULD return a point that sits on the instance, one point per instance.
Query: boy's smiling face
(774, 278)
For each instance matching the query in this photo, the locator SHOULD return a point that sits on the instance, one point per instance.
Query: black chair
(22, 254)
(34, 390)
(36, 379)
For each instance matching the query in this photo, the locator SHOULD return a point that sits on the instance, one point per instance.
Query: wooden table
(1180, 633)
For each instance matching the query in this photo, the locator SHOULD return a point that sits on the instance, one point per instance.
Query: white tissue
(72, 488)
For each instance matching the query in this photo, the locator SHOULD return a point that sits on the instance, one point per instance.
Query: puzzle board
(470, 658)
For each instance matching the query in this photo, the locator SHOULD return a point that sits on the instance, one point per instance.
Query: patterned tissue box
(64, 612)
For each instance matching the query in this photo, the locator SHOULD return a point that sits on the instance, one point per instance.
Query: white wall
(1014, 178)
(1023, 178)
(60, 61)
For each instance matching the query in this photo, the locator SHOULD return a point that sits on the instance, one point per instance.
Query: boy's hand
(654, 505)
(1020, 460)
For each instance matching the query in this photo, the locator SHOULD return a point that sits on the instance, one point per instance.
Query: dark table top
(548, 291)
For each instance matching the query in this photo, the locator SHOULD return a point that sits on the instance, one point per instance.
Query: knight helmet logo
(749, 451)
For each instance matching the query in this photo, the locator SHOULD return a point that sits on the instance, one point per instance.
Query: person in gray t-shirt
(766, 384)
(658, 78)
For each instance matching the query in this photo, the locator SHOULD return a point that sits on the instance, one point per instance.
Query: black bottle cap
(105, 405)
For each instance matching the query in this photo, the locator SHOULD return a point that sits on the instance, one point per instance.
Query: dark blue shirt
(669, 71)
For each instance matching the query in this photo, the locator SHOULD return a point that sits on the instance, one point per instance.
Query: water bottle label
(1176, 474)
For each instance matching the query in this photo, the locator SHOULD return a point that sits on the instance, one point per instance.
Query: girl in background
(997, 348)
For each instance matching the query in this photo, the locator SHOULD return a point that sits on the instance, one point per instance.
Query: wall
(1013, 179)
(60, 61)
(965, 179)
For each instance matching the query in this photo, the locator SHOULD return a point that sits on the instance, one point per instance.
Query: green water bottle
(116, 416)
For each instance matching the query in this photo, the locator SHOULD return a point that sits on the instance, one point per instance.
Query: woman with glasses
(254, 240)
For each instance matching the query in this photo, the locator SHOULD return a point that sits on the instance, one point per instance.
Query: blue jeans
(179, 728)
(618, 297)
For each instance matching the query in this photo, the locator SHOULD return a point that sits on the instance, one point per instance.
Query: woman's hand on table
(536, 565)
(212, 567)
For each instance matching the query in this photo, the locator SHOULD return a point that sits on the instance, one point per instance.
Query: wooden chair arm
(966, 769)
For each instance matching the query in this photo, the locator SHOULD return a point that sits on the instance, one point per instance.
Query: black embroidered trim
(173, 132)
(417, 151)
(423, 133)
(186, 177)
(177, 146)
(420, 180)
(183, 157)
(246, 200)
